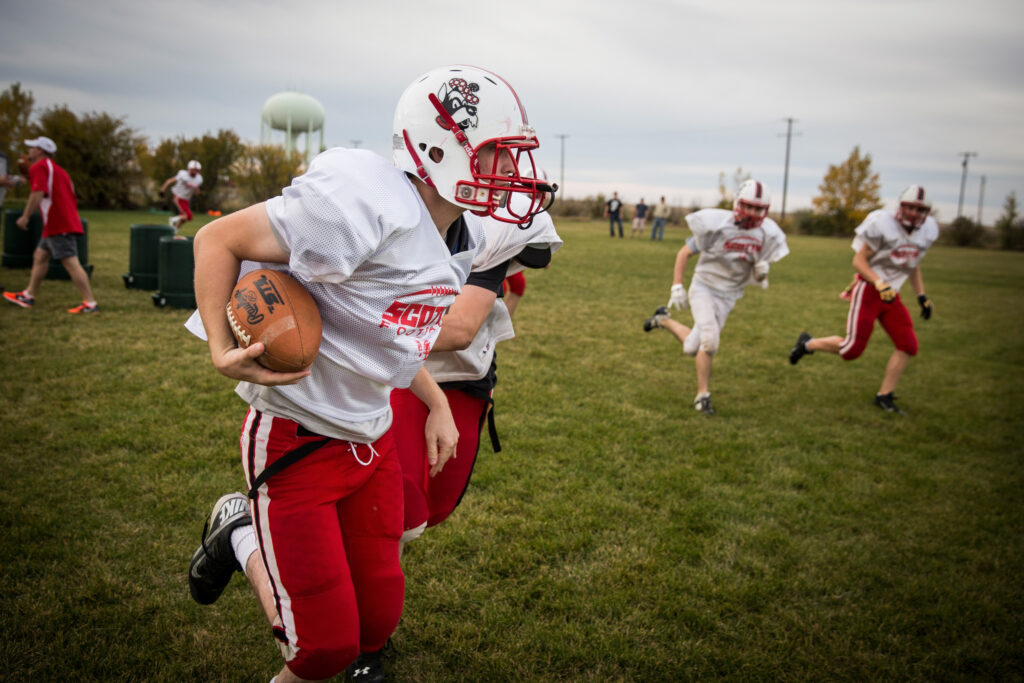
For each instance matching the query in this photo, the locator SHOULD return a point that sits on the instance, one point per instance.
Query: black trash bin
(176, 270)
(19, 244)
(144, 255)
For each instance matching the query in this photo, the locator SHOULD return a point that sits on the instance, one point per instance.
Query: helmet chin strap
(420, 171)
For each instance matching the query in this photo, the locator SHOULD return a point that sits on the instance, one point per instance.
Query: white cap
(44, 143)
(194, 165)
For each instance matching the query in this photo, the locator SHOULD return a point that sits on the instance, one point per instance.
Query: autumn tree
(727, 197)
(263, 170)
(99, 152)
(15, 112)
(217, 154)
(1009, 228)
(849, 192)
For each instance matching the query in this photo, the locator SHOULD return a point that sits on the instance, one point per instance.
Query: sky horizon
(657, 99)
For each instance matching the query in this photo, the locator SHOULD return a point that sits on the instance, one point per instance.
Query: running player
(889, 248)
(186, 185)
(383, 250)
(736, 248)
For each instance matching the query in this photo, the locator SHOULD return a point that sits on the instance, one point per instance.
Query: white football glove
(760, 271)
(677, 299)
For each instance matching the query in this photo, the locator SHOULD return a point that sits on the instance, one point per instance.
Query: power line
(963, 181)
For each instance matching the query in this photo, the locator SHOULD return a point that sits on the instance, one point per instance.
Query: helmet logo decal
(459, 101)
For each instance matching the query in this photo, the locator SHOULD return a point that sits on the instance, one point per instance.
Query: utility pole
(785, 177)
(561, 176)
(963, 181)
(981, 199)
(356, 143)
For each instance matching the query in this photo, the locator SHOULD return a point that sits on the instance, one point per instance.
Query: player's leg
(894, 368)
(678, 329)
(897, 323)
(446, 489)
(515, 287)
(410, 417)
(703, 363)
(371, 521)
(40, 264)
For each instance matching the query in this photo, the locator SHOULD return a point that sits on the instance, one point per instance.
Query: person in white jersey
(736, 248)
(384, 250)
(889, 249)
(186, 185)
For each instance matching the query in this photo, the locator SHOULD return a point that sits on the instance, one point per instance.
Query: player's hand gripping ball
(272, 307)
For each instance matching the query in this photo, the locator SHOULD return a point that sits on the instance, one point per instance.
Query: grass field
(801, 534)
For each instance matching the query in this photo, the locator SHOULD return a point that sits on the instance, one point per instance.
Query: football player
(889, 248)
(382, 249)
(736, 248)
(186, 185)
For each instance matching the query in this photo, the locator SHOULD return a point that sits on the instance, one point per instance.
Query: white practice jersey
(363, 243)
(503, 241)
(728, 252)
(897, 251)
(185, 184)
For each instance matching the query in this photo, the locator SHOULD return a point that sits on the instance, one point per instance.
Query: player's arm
(677, 294)
(34, 200)
(220, 247)
(464, 318)
(861, 263)
(440, 430)
(167, 183)
(917, 282)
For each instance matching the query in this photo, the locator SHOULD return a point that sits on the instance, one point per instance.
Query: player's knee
(319, 663)
(709, 341)
(852, 353)
(908, 347)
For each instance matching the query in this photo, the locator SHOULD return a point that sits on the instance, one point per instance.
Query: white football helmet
(914, 207)
(751, 205)
(443, 121)
(194, 166)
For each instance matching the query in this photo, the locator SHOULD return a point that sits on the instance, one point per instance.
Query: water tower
(295, 113)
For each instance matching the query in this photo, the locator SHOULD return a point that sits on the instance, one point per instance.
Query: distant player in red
(889, 249)
(186, 185)
(54, 195)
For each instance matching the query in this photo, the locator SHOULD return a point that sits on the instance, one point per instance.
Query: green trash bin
(57, 270)
(19, 244)
(176, 271)
(144, 255)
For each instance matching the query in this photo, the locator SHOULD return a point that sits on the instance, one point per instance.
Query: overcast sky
(656, 97)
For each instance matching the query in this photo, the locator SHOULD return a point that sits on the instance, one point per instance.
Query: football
(272, 307)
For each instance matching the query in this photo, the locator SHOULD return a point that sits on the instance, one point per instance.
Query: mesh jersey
(503, 242)
(728, 252)
(363, 243)
(185, 185)
(897, 252)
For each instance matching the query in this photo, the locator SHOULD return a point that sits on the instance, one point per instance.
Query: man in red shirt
(54, 195)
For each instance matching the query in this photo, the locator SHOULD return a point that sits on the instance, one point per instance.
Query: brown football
(272, 307)
(23, 165)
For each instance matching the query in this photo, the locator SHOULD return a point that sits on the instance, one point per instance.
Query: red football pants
(866, 306)
(328, 528)
(431, 499)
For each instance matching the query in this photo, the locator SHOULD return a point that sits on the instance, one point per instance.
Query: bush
(966, 233)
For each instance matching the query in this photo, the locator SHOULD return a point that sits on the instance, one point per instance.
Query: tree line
(114, 167)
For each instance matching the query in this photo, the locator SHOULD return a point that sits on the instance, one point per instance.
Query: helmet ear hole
(436, 154)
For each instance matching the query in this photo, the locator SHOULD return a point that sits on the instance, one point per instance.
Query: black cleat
(654, 322)
(368, 667)
(887, 402)
(800, 348)
(213, 562)
(703, 404)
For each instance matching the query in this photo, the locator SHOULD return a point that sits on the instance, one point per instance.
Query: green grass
(801, 534)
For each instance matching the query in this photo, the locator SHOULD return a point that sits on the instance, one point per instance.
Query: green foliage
(99, 153)
(800, 535)
(849, 192)
(263, 170)
(15, 114)
(1008, 227)
(217, 153)
(966, 233)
